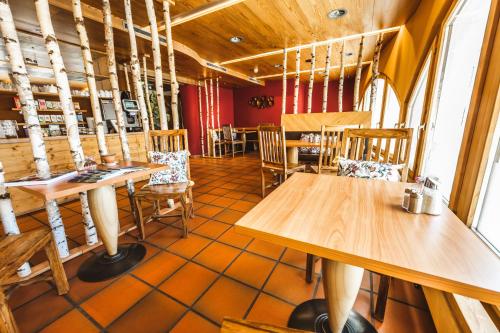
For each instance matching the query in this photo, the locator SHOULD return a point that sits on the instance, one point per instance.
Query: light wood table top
(300, 143)
(360, 222)
(65, 188)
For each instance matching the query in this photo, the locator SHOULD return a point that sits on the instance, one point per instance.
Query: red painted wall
(190, 112)
(246, 115)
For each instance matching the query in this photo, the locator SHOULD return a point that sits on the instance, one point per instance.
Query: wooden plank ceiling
(264, 25)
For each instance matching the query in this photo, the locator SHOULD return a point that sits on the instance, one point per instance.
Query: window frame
(387, 84)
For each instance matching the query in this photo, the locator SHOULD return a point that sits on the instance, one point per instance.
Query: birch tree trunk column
(125, 73)
(19, 77)
(311, 79)
(88, 64)
(202, 136)
(376, 58)
(146, 91)
(283, 98)
(157, 64)
(218, 102)
(357, 80)
(207, 118)
(341, 78)
(70, 120)
(297, 82)
(8, 217)
(212, 122)
(113, 79)
(326, 78)
(136, 72)
(174, 86)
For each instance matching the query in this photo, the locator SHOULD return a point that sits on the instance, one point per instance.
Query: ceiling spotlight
(337, 13)
(348, 54)
(236, 39)
(309, 60)
(278, 65)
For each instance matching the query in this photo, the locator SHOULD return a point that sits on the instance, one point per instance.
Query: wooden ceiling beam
(198, 12)
(118, 23)
(307, 46)
(309, 70)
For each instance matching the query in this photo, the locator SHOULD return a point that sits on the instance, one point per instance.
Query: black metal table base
(312, 316)
(101, 266)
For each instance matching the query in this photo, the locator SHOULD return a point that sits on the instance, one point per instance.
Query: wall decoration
(261, 102)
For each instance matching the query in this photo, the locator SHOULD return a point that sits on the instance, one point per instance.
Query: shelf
(58, 123)
(52, 110)
(13, 92)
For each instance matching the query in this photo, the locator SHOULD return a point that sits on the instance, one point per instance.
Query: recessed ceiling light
(348, 54)
(278, 65)
(236, 39)
(337, 13)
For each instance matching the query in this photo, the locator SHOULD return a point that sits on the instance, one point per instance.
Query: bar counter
(17, 159)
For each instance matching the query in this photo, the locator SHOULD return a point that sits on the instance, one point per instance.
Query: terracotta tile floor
(189, 285)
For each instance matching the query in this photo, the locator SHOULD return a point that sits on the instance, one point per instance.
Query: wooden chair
(272, 147)
(167, 141)
(229, 140)
(16, 250)
(378, 145)
(331, 147)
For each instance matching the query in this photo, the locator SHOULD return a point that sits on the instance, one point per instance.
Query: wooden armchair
(379, 145)
(16, 250)
(227, 131)
(272, 149)
(167, 141)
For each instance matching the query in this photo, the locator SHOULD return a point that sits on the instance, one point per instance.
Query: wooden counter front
(17, 159)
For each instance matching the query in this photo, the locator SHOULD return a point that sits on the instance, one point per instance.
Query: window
(391, 117)
(455, 80)
(486, 221)
(415, 109)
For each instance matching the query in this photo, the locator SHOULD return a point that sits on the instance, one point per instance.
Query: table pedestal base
(102, 266)
(312, 316)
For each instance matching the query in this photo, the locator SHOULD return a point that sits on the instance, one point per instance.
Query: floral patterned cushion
(177, 173)
(368, 170)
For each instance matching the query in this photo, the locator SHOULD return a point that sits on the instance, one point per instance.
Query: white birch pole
(113, 79)
(283, 104)
(127, 82)
(146, 88)
(174, 85)
(376, 58)
(135, 66)
(357, 80)
(200, 109)
(8, 217)
(218, 102)
(90, 74)
(22, 83)
(212, 122)
(341, 78)
(160, 98)
(207, 107)
(311, 79)
(70, 120)
(326, 78)
(297, 82)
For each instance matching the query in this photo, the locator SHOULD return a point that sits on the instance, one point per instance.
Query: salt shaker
(415, 204)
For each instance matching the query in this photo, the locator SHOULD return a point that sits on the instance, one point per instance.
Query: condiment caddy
(423, 197)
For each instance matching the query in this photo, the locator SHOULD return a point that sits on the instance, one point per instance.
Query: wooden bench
(456, 313)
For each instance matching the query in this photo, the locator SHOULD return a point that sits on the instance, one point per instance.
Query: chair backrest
(227, 131)
(170, 141)
(379, 145)
(272, 145)
(331, 145)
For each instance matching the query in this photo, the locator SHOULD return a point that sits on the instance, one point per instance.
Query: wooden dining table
(103, 208)
(292, 149)
(355, 224)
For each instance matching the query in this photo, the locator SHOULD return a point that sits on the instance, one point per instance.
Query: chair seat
(291, 167)
(164, 190)
(235, 141)
(16, 249)
(326, 170)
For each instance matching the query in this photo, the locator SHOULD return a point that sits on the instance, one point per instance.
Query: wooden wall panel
(313, 121)
(17, 159)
